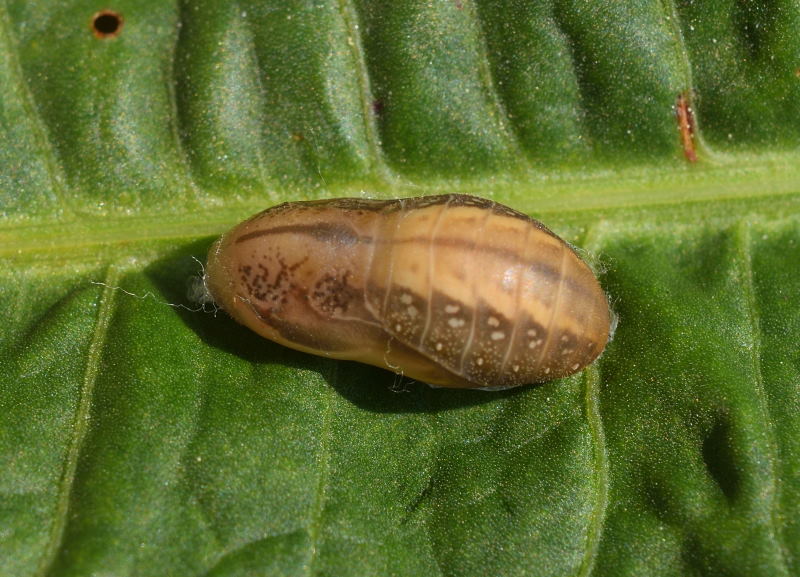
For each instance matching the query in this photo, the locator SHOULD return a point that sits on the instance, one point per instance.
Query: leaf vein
(378, 165)
(80, 428)
(601, 474)
(255, 60)
(324, 457)
(46, 150)
(174, 122)
(745, 257)
(494, 96)
(591, 379)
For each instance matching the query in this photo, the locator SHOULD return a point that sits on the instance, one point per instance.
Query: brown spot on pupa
(106, 24)
(333, 295)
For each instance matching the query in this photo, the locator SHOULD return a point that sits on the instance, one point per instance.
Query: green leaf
(140, 436)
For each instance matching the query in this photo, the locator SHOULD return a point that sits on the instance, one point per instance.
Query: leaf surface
(139, 436)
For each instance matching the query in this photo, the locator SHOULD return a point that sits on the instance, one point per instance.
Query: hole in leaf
(106, 24)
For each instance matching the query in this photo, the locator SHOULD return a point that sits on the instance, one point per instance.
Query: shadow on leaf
(370, 388)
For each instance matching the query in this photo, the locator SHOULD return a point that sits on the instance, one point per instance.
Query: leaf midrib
(23, 241)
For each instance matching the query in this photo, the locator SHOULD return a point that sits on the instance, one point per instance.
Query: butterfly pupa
(452, 290)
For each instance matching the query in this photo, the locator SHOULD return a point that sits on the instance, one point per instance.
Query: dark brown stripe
(334, 232)
(345, 235)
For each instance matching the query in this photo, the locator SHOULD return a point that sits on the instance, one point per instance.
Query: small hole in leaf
(106, 24)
